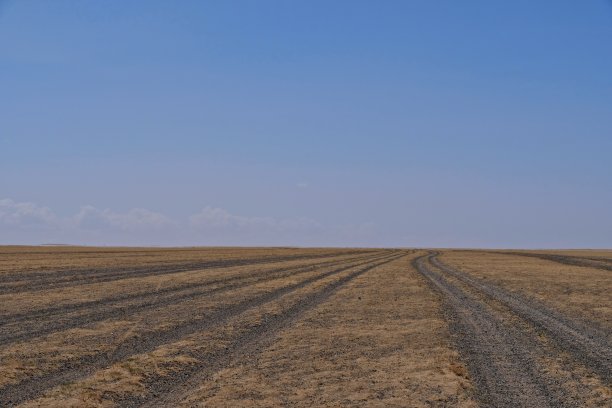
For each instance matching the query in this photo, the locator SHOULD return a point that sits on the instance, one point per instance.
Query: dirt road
(519, 352)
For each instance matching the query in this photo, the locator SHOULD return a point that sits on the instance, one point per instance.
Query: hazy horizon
(350, 123)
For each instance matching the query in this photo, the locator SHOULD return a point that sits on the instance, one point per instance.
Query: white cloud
(90, 217)
(26, 214)
(25, 222)
(30, 215)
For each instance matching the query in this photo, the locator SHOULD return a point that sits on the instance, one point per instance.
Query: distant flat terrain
(188, 327)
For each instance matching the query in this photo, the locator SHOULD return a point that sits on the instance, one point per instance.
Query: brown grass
(380, 340)
(10, 303)
(46, 353)
(581, 292)
(52, 258)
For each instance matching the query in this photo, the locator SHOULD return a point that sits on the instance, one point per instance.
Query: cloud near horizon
(26, 214)
(30, 223)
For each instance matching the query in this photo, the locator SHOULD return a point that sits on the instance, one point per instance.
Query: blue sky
(370, 123)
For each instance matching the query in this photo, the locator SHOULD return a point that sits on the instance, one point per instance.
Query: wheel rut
(245, 346)
(73, 370)
(29, 325)
(590, 346)
(41, 281)
(501, 344)
(604, 264)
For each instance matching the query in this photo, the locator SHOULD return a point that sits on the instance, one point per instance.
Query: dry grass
(11, 303)
(581, 292)
(174, 356)
(47, 353)
(53, 258)
(380, 341)
(588, 253)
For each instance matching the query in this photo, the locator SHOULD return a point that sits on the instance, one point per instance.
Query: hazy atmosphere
(344, 123)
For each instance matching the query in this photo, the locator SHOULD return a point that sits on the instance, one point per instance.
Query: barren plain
(267, 327)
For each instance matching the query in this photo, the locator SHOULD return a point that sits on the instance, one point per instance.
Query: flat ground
(89, 327)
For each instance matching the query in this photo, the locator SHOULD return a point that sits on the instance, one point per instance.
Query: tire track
(69, 272)
(166, 394)
(54, 319)
(33, 387)
(602, 264)
(499, 356)
(604, 260)
(7, 318)
(588, 345)
(39, 281)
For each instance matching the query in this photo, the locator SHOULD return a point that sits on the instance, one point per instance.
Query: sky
(312, 123)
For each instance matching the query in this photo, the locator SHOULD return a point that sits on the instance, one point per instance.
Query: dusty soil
(267, 327)
(519, 351)
(583, 292)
